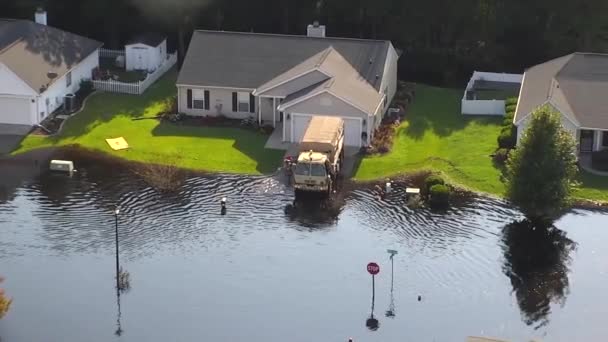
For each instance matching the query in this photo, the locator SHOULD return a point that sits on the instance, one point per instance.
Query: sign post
(373, 269)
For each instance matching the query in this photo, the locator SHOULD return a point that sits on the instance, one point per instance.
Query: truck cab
(320, 157)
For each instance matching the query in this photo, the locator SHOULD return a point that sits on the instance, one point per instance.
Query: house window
(605, 139)
(198, 98)
(68, 79)
(243, 101)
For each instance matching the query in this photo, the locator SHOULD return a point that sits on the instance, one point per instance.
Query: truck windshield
(308, 169)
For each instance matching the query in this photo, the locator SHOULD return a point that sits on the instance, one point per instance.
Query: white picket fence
(107, 53)
(487, 107)
(139, 87)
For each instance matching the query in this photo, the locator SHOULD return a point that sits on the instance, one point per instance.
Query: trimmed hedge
(432, 180)
(507, 138)
(439, 195)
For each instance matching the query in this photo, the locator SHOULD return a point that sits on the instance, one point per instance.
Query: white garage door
(352, 129)
(299, 123)
(15, 111)
(352, 132)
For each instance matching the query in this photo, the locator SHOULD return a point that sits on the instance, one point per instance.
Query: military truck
(321, 153)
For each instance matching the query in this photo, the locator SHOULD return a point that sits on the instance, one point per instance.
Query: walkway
(585, 163)
(11, 136)
(275, 141)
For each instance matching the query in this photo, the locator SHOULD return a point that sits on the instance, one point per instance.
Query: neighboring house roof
(148, 38)
(250, 60)
(40, 54)
(576, 84)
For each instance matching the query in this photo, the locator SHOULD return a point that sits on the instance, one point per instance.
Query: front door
(586, 142)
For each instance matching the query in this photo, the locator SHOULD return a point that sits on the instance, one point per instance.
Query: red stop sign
(373, 268)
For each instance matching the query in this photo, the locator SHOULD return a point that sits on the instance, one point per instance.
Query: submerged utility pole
(116, 212)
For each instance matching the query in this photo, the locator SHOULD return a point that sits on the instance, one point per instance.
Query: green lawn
(217, 149)
(436, 136)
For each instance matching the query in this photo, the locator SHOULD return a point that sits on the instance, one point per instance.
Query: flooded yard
(268, 271)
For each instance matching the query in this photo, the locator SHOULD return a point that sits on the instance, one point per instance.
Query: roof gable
(40, 54)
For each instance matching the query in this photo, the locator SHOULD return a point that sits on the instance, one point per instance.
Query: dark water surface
(268, 272)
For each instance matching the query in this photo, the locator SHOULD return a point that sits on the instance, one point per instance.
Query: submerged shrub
(432, 180)
(439, 195)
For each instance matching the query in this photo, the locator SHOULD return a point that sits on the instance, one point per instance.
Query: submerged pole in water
(116, 212)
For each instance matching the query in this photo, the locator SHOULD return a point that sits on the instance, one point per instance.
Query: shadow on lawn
(245, 141)
(102, 107)
(438, 109)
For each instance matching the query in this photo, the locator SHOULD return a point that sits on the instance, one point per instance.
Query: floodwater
(266, 271)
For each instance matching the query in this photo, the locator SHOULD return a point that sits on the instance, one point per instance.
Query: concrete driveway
(11, 136)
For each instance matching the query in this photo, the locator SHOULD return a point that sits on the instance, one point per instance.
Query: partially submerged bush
(439, 195)
(432, 180)
(160, 177)
(5, 302)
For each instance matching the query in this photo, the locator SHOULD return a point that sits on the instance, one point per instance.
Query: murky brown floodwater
(268, 272)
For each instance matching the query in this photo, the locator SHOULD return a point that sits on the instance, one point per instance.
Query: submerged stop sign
(373, 268)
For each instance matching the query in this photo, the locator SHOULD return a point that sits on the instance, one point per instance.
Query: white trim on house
(257, 91)
(523, 79)
(295, 101)
(516, 123)
(213, 87)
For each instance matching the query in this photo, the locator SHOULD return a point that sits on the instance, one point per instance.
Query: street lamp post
(116, 212)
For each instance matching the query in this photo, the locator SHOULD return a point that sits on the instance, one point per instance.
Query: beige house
(575, 85)
(285, 80)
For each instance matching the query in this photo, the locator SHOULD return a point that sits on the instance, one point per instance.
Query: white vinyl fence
(139, 87)
(487, 107)
(107, 53)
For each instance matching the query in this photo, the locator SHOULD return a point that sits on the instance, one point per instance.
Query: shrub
(432, 180)
(5, 302)
(439, 195)
(500, 156)
(511, 101)
(508, 120)
(383, 137)
(507, 139)
(86, 86)
(599, 160)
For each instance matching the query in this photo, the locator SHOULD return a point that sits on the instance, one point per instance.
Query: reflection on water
(536, 262)
(202, 275)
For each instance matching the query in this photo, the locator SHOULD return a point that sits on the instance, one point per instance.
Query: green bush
(433, 180)
(439, 195)
(500, 156)
(507, 121)
(507, 138)
(511, 101)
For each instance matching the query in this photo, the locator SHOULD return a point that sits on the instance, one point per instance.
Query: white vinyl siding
(198, 98)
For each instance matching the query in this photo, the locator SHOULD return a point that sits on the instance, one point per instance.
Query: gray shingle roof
(248, 60)
(576, 84)
(34, 51)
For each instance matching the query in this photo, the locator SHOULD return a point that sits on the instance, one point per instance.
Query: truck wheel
(298, 193)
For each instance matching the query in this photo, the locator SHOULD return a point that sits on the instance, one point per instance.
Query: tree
(5, 302)
(541, 171)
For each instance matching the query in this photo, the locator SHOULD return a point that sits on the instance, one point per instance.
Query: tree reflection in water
(537, 263)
